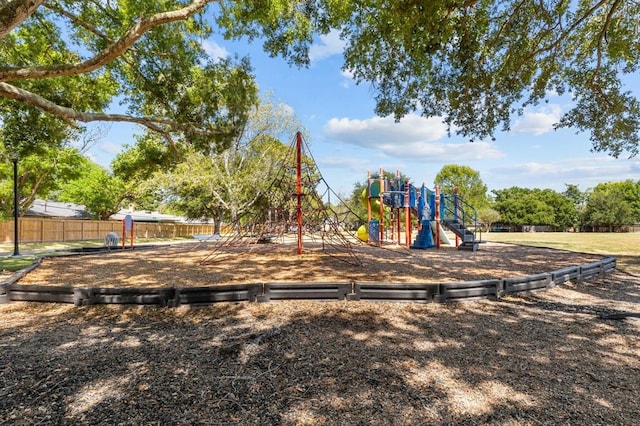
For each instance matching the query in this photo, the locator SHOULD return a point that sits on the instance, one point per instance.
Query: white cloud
(214, 50)
(110, 147)
(348, 78)
(414, 138)
(347, 74)
(583, 171)
(352, 164)
(328, 45)
(538, 122)
(378, 130)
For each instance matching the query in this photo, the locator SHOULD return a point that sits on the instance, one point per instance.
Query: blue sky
(347, 139)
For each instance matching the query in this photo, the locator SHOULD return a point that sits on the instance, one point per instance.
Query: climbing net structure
(296, 206)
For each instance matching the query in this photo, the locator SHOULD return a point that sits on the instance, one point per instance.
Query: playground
(567, 354)
(543, 359)
(179, 265)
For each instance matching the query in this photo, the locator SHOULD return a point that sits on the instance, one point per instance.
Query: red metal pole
(398, 219)
(381, 201)
(369, 213)
(299, 188)
(437, 206)
(407, 216)
(398, 224)
(455, 214)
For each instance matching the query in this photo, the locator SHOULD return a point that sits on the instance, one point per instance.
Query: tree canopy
(613, 204)
(73, 59)
(231, 183)
(38, 175)
(470, 186)
(100, 192)
(524, 206)
(476, 63)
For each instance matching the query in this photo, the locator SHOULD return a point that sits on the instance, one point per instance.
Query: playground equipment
(401, 204)
(127, 226)
(298, 201)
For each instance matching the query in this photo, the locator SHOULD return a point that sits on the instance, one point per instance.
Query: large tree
(607, 209)
(104, 192)
(226, 185)
(573, 193)
(613, 204)
(476, 63)
(470, 186)
(146, 55)
(100, 192)
(38, 176)
(524, 206)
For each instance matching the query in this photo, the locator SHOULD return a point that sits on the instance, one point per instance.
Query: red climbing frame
(299, 188)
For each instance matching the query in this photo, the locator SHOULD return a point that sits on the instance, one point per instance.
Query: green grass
(13, 264)
(624, 246)
(30, 251)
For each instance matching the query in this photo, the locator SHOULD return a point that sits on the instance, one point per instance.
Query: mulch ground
(182, 265)
(543, 359)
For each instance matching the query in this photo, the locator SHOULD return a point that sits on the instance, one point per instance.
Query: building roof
(56, 209)
(146, 216)
(44, 208)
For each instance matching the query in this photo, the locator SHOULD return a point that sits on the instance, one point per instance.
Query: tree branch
(602, 37)
(563, 35)
(157, 124)
(14, 12)
(30, 198)
(110, 53)
(77, 21)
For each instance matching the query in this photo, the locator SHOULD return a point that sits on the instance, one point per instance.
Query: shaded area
(544, 359)
(629, 263)
(177, 266)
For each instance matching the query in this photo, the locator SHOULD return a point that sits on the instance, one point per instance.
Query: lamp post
(14, 160)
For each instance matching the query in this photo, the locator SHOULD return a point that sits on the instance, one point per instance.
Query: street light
(14, 159)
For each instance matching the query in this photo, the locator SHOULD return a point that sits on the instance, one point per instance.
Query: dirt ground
(181, 265)
(543, 359)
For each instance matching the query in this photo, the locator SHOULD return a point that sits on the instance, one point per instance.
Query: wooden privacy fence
(39, 230)
(266, 292)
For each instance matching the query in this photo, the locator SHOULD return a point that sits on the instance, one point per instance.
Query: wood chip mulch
(543, 359)
(180, 265)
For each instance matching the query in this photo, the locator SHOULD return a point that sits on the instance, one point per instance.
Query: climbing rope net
(298, 202)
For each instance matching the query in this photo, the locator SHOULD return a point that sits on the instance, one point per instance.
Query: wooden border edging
(469, 290)
(560, 276)
(40, 293)
(316, 291)
(394, 292)
(128, 296)
(222, 293)
(526, 285)
(10, 290)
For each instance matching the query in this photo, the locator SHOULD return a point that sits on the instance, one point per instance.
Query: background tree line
(219, 185)
(475, 64)
(225, 185)
(609, 206)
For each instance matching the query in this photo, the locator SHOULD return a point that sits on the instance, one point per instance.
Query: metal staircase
(467, 237)
(455, 215)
